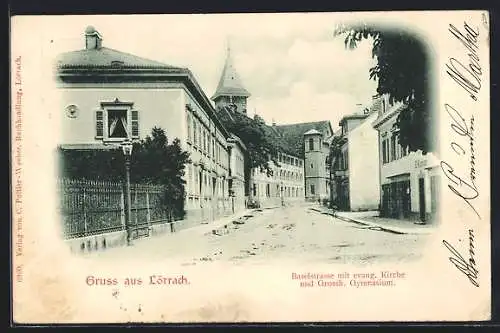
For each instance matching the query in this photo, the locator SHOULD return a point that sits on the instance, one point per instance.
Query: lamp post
(127, 152)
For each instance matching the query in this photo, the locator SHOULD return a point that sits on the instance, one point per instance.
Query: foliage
(153, 161)
(252, 132)
(402, 71)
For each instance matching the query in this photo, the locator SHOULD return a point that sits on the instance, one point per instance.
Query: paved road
(281, 233)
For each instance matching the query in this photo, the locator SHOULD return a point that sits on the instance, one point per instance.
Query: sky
(293, 66)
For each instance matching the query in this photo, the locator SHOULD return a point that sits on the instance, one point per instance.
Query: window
(199, 136)
(116, 120)
(311, 144)
(213, 148)
(117, 124)
(312, 189)
(195, 133)
(204, 141)
(393, 148)
(189, 134)
(385, 151)
(209, 143)
(404, 151)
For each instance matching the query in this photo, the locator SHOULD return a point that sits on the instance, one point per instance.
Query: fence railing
(93, 207)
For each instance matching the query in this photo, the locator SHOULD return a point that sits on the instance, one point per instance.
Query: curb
(371, 226)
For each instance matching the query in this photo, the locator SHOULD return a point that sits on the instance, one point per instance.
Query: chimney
(274, 122)
(93, 39)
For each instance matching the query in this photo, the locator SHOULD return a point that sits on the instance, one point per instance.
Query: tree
(253, 133)
(154, 161)
(402, 71)
(158, 162)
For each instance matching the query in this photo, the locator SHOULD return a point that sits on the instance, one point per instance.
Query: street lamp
(127, 152)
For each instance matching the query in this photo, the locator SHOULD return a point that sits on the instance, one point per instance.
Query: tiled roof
(230, 83)
(104, 57)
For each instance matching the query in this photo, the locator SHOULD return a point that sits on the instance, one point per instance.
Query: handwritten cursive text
(466, 267)
(465, 189)
(466, 76)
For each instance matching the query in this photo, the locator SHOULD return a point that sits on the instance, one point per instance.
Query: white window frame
(107, 106)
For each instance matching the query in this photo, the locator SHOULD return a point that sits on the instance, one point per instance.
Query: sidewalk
(372, 221)
(222, 223)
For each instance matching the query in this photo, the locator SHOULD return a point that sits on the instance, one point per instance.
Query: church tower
(314, 166)
(230, 91)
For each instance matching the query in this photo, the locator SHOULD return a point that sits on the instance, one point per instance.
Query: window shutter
(135, 124)
(99, 123)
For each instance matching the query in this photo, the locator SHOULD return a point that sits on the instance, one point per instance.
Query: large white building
(108, 96)
(356, 169)
(410, 182)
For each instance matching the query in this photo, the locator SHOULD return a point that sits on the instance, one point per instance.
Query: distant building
(108, 96)
(311, 141)
(356, 168)
(317, 171)
(410, 182)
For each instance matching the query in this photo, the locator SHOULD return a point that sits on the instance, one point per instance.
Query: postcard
(232, 168)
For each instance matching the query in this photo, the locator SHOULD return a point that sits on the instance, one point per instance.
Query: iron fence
(90, 207)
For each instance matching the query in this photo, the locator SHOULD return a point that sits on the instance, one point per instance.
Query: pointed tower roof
(230, 83)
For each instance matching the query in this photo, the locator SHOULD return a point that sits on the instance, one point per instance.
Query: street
(297, 233)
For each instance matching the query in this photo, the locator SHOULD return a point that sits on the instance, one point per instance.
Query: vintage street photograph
(312, 142)
(245, 166)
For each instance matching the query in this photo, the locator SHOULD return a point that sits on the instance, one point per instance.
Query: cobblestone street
(291, 233)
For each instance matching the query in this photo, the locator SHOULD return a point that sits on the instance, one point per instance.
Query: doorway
(421, 195)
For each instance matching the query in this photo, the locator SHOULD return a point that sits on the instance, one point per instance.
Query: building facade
(356, 168)
(317, 179)
(410, 181)
(284, 186)
(311, 141)
(108, 96)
